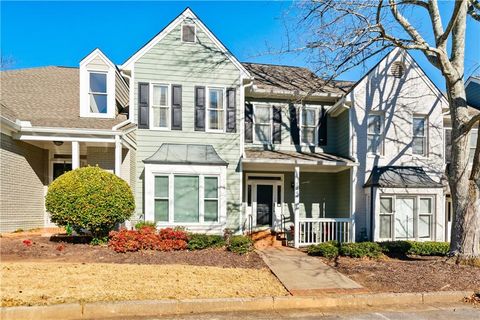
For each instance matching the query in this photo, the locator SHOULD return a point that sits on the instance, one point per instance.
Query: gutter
(9, 123)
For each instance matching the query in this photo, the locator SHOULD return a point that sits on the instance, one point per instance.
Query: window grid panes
(98, 92)
(180, 200)
(375, 132)
(263, 125)
(210, 199)
(419, 143)
(161, 199)
(425, 212)
(160, 106)
(386, 217)
(309, 125)
(216, 108)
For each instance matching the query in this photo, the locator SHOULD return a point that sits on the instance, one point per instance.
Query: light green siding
(321, 194)
(172, 62)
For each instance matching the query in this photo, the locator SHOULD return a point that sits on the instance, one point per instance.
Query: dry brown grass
(37, 283)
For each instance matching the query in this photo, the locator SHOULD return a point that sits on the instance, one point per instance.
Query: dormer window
(98, 92)
(188, 33)
(97, 86)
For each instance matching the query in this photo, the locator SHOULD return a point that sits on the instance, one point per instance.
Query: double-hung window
(375, 134)
(419, 142)
(386, 217)
(186, 198)
(263, 124)
(308, 125)
(98, 92)
(216, 109)
(160, 106)
(425, 213)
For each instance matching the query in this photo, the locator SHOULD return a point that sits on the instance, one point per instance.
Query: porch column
(353, 204)
(297, 206)
(118, 155)
(75, 155)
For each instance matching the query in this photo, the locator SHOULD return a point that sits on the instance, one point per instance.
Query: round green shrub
(240, 244)
(327, 249)
(89, 199)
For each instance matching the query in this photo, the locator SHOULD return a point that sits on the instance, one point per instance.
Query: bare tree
(342, 34)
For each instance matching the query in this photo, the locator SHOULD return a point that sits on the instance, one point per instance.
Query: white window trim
(85, 86)
(315, 126)
(382, 133)
(425, 137)
(255, 105)
(470, 148)
(207, 109)
(169, 105)
(152, 170)
(416, 214)
(194, 33)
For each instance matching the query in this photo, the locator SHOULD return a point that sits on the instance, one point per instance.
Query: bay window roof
(188, 154)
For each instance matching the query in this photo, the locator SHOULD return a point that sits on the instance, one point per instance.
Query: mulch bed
(410, 275)
(12, 249)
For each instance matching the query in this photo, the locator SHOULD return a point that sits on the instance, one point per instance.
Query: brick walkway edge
(95, 310)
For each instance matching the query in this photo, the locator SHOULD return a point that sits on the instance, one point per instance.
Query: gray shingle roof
(400, 177)
(295, 79)
(47, 97)
(200, 154)
(256, 154)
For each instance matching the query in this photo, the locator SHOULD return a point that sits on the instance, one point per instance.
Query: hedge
(361, 250)
(240, 244)
(426, 248)
(197, 241)
(327, 249)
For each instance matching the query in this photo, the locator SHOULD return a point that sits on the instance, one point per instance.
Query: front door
(404, 208)
(264, 205)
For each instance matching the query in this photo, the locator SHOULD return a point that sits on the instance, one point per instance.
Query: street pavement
(421, 312)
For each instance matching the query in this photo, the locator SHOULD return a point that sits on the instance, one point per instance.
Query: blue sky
(62, 33)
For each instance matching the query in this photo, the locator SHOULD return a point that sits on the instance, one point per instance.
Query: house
(208, 143)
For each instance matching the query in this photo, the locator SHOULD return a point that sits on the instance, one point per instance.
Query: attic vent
(188, 33)
(397, 69)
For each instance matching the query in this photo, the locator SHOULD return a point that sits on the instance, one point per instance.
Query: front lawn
(41, 283)
(412, 274)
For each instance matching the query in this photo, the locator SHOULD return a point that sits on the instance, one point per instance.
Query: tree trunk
(465, 241)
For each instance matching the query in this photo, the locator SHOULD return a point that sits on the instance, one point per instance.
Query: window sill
(97, 115)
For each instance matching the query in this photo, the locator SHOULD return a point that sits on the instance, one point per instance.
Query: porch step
(267, 238)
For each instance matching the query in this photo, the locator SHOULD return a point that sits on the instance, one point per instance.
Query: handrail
(282, 223)
(250, 225)
(318, 230)
(325, 219)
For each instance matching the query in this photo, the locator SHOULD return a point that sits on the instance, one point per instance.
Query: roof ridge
(277, 65)
(39, 67)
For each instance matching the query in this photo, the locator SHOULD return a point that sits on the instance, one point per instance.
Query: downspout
(242, 147)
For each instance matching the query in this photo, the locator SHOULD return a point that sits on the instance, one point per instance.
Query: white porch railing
(318, 230)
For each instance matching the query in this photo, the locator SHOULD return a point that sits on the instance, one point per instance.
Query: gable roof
(187, 13)
(472, 90)
(269, 78)
(47, 97)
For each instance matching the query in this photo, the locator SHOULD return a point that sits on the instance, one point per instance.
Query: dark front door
(264, 205)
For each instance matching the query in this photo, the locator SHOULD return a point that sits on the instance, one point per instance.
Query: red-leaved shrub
(147, 238)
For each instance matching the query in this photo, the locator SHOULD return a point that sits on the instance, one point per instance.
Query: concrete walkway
(305, 275)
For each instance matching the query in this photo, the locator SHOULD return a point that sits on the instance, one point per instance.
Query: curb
(92, 310)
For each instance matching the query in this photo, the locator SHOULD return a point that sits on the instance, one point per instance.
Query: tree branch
(442, 40)
(471, 123)
(474, 9)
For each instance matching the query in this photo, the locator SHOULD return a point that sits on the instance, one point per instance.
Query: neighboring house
(209, 143)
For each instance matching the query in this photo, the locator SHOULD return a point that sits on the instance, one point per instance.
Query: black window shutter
(231, 110)
(143, 105)
(248, 122)
(277, 124)
(294, 129)
(176, 107)
(199, 108)
(322, 127)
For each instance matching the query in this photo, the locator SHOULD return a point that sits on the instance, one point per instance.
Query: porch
(306, 200)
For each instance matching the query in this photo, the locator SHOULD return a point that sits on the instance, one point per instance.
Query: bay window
(375, 134)
(216, 109)
(308, 126)
(98, 92)
(160, 106)
(419, 142)
(185, 199)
